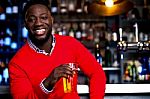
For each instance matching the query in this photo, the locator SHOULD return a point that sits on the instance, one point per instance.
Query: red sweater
(27, 69)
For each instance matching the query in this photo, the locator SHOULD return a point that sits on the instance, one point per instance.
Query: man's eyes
(44, 17)
(31, 19)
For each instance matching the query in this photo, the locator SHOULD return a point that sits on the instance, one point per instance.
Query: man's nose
(38, 22)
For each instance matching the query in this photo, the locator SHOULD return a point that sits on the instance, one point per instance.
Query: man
(37, 69)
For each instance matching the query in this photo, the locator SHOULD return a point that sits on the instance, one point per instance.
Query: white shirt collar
(36, 49)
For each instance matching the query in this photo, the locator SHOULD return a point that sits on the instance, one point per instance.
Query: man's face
(38, 21)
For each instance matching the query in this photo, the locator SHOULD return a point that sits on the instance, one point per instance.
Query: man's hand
(56, 74)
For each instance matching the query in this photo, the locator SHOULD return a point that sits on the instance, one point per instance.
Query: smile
(40, 31)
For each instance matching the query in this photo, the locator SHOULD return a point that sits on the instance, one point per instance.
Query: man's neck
(47, 45)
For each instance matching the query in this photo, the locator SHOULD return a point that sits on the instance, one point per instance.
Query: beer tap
(137, 45)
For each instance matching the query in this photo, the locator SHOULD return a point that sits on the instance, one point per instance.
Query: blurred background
(116, 32)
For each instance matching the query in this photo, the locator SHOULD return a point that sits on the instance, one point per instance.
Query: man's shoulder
(21, 53)
(65, 38)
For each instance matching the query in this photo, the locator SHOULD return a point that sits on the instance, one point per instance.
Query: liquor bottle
(9, 10)
(96, 35)
(97, 54)
(135, 13)
(78, 33)
(24, 34)
(2, 62)
(114, 36)
(79, 7)
(64, 30)
(108, 56)
(126, 76)
(59, 30)
(71, 30)
(115, 62)
(85, 7)
(102, 37)
(14, 46)
(15, 43)
(54, 7)
(2, 16)
(146, 38)
(109, 36)
(90, 33)
(84, 31)
(63, 7)
(102, 34)
(143, 73)
(1, 70)
(15, 10)
(1, 41)
(71, 7)
(129, 68)
(5, 76)
(7, 39)
(2, 67)
(134, 72)
(5, 72)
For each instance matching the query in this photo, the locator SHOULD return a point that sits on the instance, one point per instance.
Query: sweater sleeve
(93, 70)
(20, 85)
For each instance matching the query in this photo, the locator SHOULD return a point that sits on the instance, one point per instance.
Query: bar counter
(113, 91)
(119, 88)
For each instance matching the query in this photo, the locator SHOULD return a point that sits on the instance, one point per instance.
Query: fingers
(63, 71)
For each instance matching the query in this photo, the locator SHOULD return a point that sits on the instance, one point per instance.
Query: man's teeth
(41, 30)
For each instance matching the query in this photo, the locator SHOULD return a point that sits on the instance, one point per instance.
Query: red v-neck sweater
(28, 68)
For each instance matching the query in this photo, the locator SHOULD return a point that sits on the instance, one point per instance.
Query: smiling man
(38, 68)
(39, 21)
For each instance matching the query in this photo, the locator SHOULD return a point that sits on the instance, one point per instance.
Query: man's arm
(61, 71)
(93, 70)
(20, 85)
